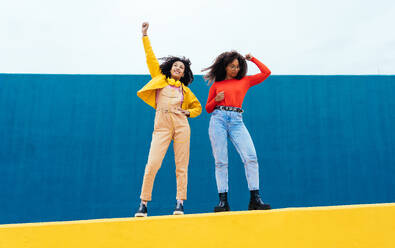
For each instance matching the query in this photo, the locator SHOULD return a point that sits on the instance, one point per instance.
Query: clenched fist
(220, 96)
(248, 57)
(144, 28)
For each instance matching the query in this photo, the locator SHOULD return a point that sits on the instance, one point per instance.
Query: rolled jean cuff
(145, 198)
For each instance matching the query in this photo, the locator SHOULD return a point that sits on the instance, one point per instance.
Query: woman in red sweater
(224, 101)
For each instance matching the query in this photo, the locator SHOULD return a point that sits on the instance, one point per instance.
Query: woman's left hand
(248, 57)
(185, 112)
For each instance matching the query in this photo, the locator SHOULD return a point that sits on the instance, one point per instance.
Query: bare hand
(185, 112)
(220, 96)
(144, 28)
(248, 57)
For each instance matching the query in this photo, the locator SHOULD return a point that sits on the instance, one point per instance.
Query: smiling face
(177, 70)
(232, 69)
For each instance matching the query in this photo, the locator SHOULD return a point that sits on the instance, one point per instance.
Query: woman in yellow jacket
(168, 93)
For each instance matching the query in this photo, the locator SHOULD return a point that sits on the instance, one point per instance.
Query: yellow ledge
(359, 226)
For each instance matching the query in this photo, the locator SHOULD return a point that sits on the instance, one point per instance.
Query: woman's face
(177, 70)
(232, 69)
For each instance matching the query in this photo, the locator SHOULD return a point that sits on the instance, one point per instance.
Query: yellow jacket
(148, 92)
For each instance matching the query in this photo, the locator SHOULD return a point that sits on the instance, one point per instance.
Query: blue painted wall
(75, 146)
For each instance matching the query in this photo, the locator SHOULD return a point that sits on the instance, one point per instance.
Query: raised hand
(248, 57)
(144, 28)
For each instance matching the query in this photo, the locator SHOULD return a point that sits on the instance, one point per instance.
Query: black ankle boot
(223, 204)
(256, 202)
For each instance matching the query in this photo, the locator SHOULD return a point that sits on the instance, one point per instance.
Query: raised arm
(152, 61)
(260, 77)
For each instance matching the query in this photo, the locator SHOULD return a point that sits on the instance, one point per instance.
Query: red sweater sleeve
(211, 103)
(260, 77)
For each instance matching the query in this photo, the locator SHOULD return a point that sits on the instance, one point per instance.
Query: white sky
(290, 37)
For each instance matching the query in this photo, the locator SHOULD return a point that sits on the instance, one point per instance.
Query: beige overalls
(170, 124)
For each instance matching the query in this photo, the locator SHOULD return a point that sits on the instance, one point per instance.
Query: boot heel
(256, 202)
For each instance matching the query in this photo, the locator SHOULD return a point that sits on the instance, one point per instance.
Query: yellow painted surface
(358, 226)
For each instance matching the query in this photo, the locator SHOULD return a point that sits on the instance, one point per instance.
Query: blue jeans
(224, 124)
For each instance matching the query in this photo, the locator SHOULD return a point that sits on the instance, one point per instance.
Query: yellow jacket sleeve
(152, 62)
(193, 106)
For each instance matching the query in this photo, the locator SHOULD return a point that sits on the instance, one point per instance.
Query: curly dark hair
(168, 62)
(217, 72)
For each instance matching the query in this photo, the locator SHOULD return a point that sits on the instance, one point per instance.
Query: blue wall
(75, 146)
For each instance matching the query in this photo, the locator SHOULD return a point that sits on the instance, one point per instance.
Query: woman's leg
(242, 141)
(161, 138)
(181, 144)
(244, 145)
(219, 144)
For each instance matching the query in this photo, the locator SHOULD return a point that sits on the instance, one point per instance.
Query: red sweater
(235, 89)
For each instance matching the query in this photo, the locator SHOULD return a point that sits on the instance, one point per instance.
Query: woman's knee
(221, 165)
(181, 170)
(251, 162)
(151, 168)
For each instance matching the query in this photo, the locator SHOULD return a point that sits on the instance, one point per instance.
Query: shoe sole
(221, 210)
(264, 208)
(140, 215)
(178, 213)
